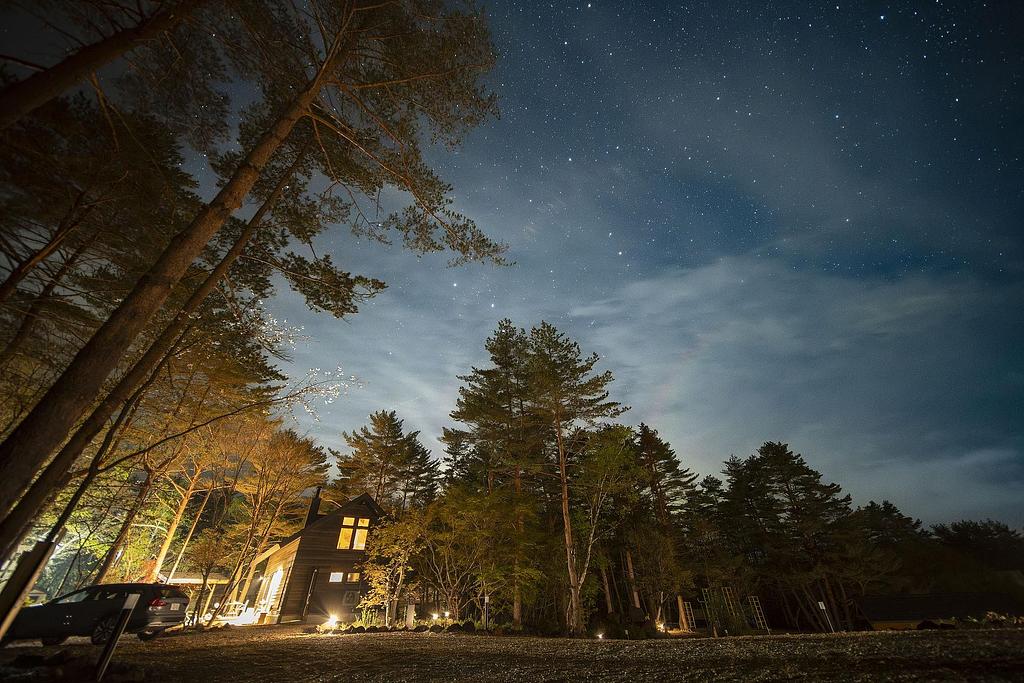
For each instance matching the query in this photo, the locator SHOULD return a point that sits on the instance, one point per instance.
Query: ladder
(690, 619)
(755, 609)
(709, 609)
(729, 597)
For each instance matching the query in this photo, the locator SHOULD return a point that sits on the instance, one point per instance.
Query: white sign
(821, 605)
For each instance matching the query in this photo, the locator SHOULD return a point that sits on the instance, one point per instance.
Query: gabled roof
(367, 500)
(363, 499)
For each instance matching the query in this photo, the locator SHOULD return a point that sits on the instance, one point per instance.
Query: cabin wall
(318, 552)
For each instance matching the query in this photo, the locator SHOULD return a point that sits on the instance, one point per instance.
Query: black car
(93, 612)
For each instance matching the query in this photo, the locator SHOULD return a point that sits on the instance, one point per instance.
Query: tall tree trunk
(21, 97)
(26, 450)
(66, 226)
(200, 609)
(517, 593)
(575, 599)
(191, 532)
(632, 580)
(620, 606)
(792, 617)
(607, 591)
(113, 551)
(815, 613)
(830, 599)
(31, 317)
(684, 621)
(846, 605)
(71, 565)
(172, 529)
(252, 542)
(16, 524)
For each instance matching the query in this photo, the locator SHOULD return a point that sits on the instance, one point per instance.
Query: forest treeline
(176, 162)
(561, 517)
(169, 166)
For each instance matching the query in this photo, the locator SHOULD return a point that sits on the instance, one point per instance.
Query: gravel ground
(285, 653)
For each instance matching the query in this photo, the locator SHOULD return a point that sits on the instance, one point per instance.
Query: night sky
(798, 222)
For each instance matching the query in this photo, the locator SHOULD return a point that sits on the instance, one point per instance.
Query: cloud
(883, 385)
(695, 241)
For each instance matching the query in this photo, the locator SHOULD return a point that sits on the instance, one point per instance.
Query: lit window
(353, 577)
(353, 533)
(337, 577)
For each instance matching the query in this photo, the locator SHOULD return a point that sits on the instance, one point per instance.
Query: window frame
(353, 533)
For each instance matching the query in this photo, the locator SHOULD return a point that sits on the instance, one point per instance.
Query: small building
(314, 574)
(902, 612)
(193, 582)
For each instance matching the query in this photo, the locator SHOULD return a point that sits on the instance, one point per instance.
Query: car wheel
(53, 640)
(149, 635)
(103, 629)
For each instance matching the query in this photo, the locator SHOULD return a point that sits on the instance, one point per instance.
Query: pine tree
(390, 465)
(430, 54)
(420, 477)
(668, 481)
(567, 396)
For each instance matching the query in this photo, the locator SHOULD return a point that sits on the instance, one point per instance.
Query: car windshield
(109, 594)
(72, 598)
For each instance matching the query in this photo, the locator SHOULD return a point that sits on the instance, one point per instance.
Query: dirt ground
(285, 653)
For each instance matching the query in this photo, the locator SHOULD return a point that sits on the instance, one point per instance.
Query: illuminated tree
(431, 55)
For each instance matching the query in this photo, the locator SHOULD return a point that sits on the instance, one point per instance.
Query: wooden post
(122, 620)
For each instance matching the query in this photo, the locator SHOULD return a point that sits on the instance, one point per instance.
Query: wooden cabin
(314, 574)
